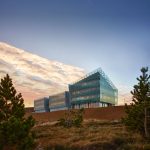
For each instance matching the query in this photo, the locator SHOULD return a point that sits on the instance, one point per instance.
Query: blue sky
(113, 35)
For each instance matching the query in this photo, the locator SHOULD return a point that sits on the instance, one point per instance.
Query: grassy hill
(93, 135)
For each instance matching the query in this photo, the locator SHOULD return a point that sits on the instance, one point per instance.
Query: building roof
(99, 70)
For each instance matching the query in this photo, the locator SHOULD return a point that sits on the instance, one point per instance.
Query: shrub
(72, 118)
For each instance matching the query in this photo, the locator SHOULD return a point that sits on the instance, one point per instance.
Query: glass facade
(93, 90)
(59, 101)
(41, 105)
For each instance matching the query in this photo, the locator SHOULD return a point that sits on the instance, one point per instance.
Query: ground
(92, 135)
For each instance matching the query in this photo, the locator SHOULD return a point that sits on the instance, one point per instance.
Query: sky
(34, 76)
(113, 35)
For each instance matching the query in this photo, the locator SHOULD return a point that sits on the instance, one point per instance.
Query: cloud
(35, 76)
(124, 95)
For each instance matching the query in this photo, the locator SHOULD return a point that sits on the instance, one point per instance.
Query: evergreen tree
(136, 115)
(15, 129)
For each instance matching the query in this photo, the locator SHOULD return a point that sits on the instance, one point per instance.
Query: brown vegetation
(92, 135)
(101, 130)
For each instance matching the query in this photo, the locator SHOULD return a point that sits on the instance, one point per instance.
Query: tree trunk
(146, 123)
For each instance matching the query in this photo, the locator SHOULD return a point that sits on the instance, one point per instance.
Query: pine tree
(15, 129)
(136, 119)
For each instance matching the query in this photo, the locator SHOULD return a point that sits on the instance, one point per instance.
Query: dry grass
(93, 135)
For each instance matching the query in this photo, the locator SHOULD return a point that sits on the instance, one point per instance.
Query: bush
(72, 118)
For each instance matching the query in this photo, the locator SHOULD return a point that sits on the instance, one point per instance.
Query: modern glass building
(60, 101)
(41, 105)
(93, 90)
